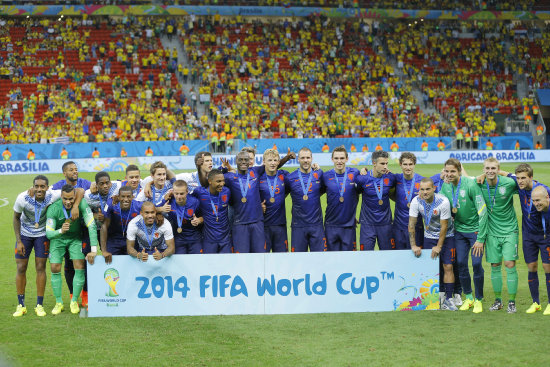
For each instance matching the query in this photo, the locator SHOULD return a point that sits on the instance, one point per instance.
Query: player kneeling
(438, 233)
(149, 235)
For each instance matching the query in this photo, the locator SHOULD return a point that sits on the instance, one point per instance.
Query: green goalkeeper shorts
(58, 249)
(502, 248)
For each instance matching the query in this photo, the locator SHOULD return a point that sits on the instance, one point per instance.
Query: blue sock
(548, 286)
(21, 299)
(449, 287)
(39, 300)
(533, 280)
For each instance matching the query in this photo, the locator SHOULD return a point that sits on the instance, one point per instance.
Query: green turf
(429, 338)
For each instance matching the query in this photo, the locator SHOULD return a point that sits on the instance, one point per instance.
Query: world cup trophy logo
(111, 278)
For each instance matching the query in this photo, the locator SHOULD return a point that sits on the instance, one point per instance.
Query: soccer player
(438, 233)
(70, 171)
(182, 217)
(407, 186)
(541, 201)
(149, 236)
(470, 220)
(248, 227)
(66, 235)
(159, 187)
(342, 199)
(306, 186)
(531, 229)
(213, 204)
(375, 218)
(115, 223)
(29, 225)
(502, 240)
(133, 179)
(273, 193)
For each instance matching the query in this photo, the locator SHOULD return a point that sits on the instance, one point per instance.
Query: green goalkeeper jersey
(57, 216)
(471, 215)
(500, 206)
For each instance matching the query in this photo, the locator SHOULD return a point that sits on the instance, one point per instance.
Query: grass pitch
(350, 339)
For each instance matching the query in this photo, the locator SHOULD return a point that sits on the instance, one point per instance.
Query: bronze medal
(243, 200)
(179, 229)
(36, 225)
(305, 197)
(380, 202)
(341, 199)
(67, 220)
(272, 200)
(455, 210)
(408, 205)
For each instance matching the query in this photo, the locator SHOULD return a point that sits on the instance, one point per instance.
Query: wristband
(94, 249)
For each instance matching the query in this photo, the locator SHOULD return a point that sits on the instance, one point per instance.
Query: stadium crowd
(243, 210)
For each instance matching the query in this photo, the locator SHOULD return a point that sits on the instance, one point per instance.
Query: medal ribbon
(245, 189)
(65, 212)
(214, 207)
(492, 202)
(149, 240)
(124, 228)
(181, 217)
(379, 187)
(270, 186)
(428, 213)
(409, 191)
(304, 189)
(38, 210)
(455, 196)
(154, 190)
(341, 189)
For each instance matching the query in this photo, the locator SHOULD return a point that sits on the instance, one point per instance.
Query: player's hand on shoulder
(93, 188)
(147, 190)
(75, 212)
(315, 167)
(115, 200)
(160, 219)
(168, 195)
(480, 178)
(30, 192)
(364, 171)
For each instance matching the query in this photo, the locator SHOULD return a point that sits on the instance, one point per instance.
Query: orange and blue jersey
(187, 238)
(341, 213)
(275, 212)
(213, 208)
(116, 235)
(531, 218)
(245, 186)
(405, 191)
(373, 190)
(306, 212)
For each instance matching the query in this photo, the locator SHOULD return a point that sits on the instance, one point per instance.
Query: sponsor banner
(278, 11)
(323, 159)
(287, 283)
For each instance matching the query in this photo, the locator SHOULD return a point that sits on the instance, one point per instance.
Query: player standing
(182, 217)
(531, 230)
(273, 193)
(115, 223)
(146, 236)
(213, 205)
(470, 221)
(342, 199)
(376, 218)
(29, 225)
(502, 240)
(407, 186)
(66, 235)
(438, 233)
(541, 201)
(305, 186)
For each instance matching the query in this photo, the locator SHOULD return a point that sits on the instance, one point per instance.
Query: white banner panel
(287, 283)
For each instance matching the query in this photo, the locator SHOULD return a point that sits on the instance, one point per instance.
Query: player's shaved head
(427, 180)
(304, 150)
(180, 183)
(540, 199)
(147, 205)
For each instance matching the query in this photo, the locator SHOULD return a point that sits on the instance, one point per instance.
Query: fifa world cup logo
(111, 278)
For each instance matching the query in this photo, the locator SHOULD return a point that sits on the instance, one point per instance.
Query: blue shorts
(41, 247)
(188, 247)
(276, 238)
(117, 247)
(216, 247)
(401, 237)
(312, 237)
(369, 233)
(448, 252)
(248, 238)
(341, 238)
(532, 246)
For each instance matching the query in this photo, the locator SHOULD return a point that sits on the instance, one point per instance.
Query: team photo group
(242, 209)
